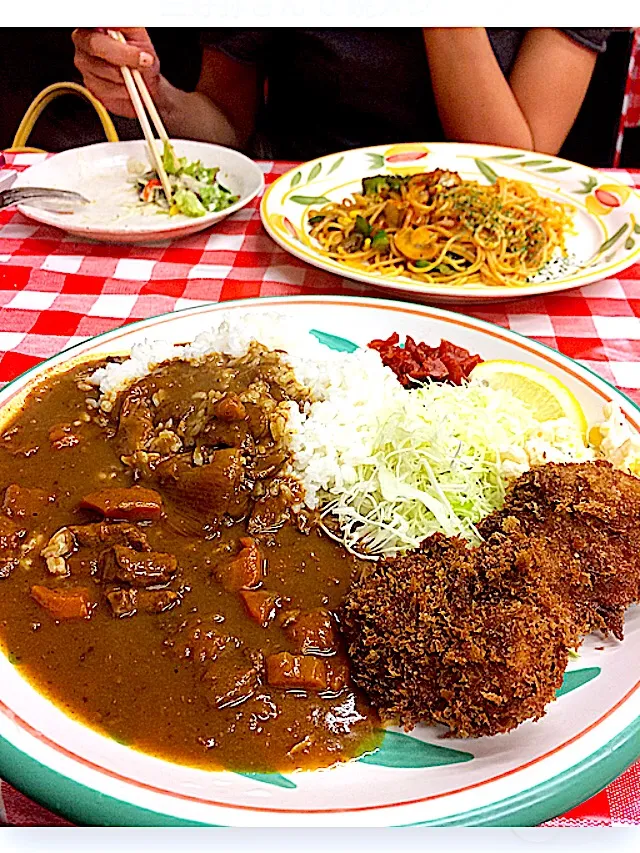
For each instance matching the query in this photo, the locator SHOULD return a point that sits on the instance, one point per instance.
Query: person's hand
(99, 58)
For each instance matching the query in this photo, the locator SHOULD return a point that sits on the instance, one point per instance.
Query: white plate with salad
(126, 202)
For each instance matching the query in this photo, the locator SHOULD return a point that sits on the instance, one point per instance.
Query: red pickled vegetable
(417, 362)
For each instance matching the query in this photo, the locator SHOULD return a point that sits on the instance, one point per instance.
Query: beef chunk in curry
(160, 576)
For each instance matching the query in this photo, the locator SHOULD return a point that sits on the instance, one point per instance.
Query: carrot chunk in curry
(246, 570)
(69, 603)
(296, 671)
(310, 632)
(132, 504)
(261, 604)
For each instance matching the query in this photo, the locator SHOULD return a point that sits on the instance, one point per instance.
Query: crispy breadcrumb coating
(478, 638)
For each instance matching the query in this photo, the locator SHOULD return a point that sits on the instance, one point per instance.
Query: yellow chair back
(42, 100)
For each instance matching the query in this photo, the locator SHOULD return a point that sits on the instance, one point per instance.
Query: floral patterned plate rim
(587, 738)
(607, 211)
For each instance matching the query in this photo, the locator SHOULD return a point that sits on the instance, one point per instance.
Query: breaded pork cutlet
(587, 517)
(478, 638)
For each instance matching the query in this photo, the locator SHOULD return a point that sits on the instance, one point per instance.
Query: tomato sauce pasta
(441, 229)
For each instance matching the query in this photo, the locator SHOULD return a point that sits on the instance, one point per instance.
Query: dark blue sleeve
(591, 38)
(244, 45)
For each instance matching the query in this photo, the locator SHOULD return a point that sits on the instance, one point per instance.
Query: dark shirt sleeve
(591, 38)
(249, 45)
(244, 45)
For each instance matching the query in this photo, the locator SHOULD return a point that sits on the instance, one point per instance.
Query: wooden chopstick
(151, 107)
(130, 79)
(146, 96)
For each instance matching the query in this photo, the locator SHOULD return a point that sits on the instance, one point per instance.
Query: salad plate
(542, 769)
(604, 239)
(124, 206)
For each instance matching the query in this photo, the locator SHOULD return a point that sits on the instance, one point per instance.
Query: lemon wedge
(547, 397)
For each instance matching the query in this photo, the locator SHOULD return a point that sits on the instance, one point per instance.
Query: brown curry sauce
(195, 611)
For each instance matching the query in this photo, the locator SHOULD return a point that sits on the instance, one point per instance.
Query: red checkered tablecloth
(56, 291)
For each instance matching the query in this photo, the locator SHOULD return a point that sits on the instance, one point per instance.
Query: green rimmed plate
(607, 212)
(541, 769)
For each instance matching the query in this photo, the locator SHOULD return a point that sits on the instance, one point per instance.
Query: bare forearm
(192, 115)
(474, 99)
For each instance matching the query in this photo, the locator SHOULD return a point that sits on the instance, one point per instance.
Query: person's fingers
(89, 65)
(102, 46)
(99, 58)
(138, 37)
(134, 35)
(114, 96)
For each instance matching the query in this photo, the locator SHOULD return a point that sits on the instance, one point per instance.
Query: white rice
(355, 394)
(333, 435)
(232, 337)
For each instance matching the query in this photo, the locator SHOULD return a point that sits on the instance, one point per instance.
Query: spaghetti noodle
(441, 229)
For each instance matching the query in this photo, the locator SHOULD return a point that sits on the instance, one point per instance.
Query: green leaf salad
(195, 188)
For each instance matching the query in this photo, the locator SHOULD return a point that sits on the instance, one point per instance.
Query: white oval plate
(589, 735)
(99, 172)
(607, 216)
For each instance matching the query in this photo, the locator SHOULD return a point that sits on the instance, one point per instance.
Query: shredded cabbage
(439, 463)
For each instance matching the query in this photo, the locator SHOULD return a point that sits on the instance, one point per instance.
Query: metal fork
(59, 201)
